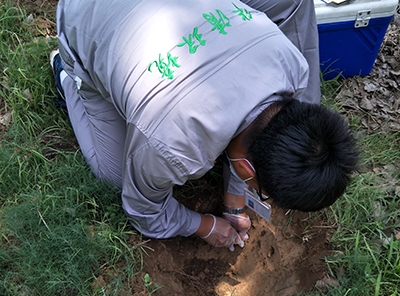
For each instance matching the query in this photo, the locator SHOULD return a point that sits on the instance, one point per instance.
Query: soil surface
(280, 258)
(283, 257)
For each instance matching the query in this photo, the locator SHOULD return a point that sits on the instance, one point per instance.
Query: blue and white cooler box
(351, 33)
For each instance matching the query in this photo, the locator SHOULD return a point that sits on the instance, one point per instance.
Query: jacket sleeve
(232, 184)
(149, 175)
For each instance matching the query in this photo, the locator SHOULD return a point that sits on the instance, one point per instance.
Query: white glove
(222, 234)
(240, 223)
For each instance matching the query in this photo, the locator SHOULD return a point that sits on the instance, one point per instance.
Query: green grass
(58, 225)
(366, 218)
(60, 228)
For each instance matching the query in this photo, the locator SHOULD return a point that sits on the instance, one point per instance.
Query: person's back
(218, 86)
(157, 89)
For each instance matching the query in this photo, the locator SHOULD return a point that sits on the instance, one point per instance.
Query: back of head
(304, 156)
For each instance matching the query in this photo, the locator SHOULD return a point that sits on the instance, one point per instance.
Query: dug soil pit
(276, 260)
(283, 257)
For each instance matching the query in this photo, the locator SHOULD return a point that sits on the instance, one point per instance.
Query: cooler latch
(362, 19)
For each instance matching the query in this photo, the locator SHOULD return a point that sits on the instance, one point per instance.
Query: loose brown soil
(283, 257)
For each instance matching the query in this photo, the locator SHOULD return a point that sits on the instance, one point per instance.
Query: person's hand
(222, 234)
(241, 222)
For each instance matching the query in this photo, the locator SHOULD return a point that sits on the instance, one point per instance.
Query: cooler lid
(335, 11)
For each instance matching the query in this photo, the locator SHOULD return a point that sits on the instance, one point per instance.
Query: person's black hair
(304, 156)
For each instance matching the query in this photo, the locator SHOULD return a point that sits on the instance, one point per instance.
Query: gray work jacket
(187, 77)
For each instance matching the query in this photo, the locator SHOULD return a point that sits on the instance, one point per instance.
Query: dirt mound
(281, 258)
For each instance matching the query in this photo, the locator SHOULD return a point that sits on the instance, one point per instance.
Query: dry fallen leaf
(27, 94)
(326, 283)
